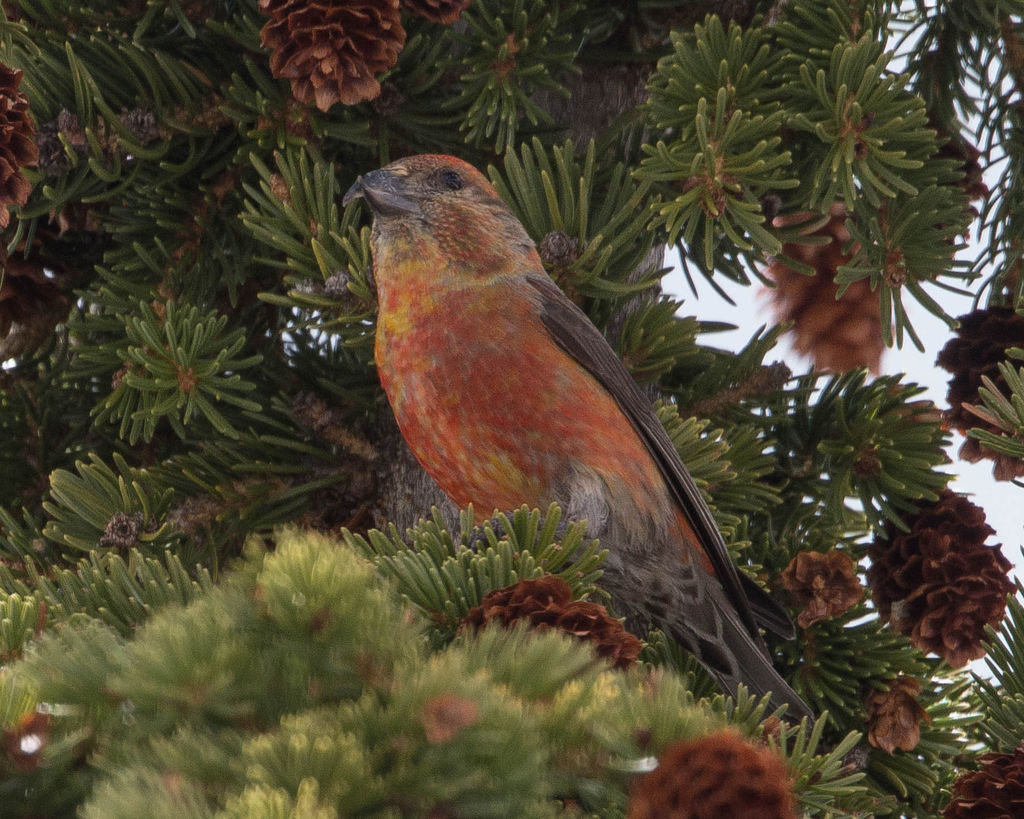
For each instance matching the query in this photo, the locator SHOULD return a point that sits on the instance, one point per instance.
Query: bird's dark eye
(451, 180)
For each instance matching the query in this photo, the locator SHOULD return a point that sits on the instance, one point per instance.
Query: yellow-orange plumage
(507, 395)
(467, 389)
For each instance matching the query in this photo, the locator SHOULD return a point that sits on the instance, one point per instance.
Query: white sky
(1002, 501)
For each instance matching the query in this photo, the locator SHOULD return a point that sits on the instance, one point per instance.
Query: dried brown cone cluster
(825, 585)
(331, 50)
(17, 148)
(36, 278)
(894, 716)
(954, 146)
(995, 791)
(547, 603)
(939, 583)
(437, 11)
(975, 352)
(122, 531)
(16, 752)
(447, 715)
(11, 10)
(714, 776)
(559, 251)
(838, 334)
(31, 304)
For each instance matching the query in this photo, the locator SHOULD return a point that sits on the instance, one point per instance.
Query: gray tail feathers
(746, 661)
(690, 606)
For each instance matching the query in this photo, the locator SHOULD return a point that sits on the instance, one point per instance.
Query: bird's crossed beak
(384, 192)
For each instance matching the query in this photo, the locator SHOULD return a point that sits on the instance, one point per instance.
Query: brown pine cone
(26, 757)
(122, 531)
(996, 791)
(17, 149)
(547, 603)
(954, 146)
(714, 776)
(26, 291)
(837, 334)
(939, 583)
(826, 585)
(437, 11)
(31, 304)
(894, 716)
(976, 351)
(445, 716)
(331, 50)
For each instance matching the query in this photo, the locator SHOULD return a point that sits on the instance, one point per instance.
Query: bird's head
(414, 186)
(431, 198)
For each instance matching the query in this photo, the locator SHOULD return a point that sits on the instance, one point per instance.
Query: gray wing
(573, 332)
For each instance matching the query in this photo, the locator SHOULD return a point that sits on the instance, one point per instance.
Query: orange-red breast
(507, 394)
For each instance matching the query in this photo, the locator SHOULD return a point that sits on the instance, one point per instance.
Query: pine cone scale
(973, 355)
(546, 603)
(715, 775)
(839, 332)
(995, 791)
(17, 147)
(330, 52)
(939, 583)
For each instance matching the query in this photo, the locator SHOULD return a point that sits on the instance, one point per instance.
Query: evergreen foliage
(188, 400)
(304, 683)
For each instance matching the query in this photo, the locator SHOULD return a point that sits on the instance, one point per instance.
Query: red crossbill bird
(507, 394)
